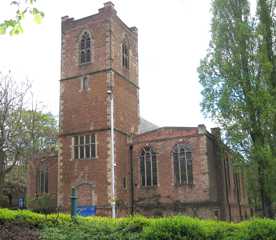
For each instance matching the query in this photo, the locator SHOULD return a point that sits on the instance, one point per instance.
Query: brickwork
(50, 162)
(167, 193)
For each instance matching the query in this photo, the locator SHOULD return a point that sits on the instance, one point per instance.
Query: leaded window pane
(93, 139)
(76, 152)
(93, 150)
(87, 43)
(87, 139)
(189, 156)
(42, 181)
(154, 170)
(88, 55)
(82, 56)
(142, 170)
(183, 171)
(83, 44)
(81, 152)
(76, 142)
(148, 171)
(87, 151)
(176, 168)
(46, 180)
(81, 140)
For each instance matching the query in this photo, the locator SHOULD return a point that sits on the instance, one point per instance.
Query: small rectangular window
(84, 83)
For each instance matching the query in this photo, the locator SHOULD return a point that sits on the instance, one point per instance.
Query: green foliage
(42, 131)
(60, 227)
(44, 204)
(24, 133)
(175, 228)
(238, 76)
(22, 9)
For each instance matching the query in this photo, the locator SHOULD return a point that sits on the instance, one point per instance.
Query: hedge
(61, 227)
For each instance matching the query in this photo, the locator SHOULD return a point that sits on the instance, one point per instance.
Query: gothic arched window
(85, 48)
(148, 167)
(42, 179)
(125, 55)
(183, 169)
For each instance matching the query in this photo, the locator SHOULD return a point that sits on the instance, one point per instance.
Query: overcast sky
(173, 37)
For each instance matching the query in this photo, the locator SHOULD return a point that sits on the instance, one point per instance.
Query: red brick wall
(84, 111)
(33, 167)
(233, 202)
(166, 192)
(74, 172)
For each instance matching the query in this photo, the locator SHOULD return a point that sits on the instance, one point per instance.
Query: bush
(61, 227)
(44, 204)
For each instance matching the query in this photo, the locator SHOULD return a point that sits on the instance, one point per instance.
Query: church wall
(166, 196)
(80, 106)
(126, 106)
(50, 162)
(122, 172)
(73, 172)
(229, 181)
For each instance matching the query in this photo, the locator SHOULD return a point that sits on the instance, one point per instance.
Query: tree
(41, 132)
(23, 8)
(239, 86)
(23, 132)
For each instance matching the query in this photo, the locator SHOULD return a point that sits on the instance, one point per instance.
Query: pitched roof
(146, 126)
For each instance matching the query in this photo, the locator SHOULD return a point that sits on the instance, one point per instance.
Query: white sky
(173, 37)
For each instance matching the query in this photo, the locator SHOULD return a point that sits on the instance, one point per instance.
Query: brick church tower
(99, 56)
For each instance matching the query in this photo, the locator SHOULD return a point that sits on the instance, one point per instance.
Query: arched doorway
(86, 203)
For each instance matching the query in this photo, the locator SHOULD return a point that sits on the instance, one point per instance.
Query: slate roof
(146, 126)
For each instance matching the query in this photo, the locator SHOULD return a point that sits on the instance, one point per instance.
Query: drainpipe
(131, 180)
(113, 164)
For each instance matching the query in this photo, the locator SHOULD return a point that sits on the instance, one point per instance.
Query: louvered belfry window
(85, 48)
(125, 55)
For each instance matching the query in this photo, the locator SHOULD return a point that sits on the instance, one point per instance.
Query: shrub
(44, 204)
(61, 227)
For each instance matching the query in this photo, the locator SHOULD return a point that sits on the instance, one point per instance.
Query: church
(116, 160)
